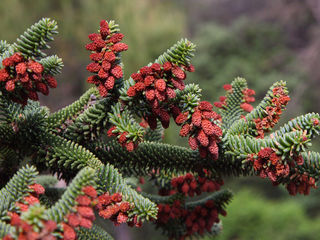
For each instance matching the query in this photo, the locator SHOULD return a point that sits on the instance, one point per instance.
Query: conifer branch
(154, 135)
(6, 134)
(220, 198)
(242, 146)
(4, 46)
(162, 199)
(305, 122)
(9, 111)
(148, 156)
(32, 116)
(34, 39)
(5, 229)
(232, 111)
(73, 142)
(70, 112)
(52, 65)
(16, 188)
(125, 123)
(245, 126)
(86, 177)
(89, 124)
(188, 98)
(94, 233)
(259, 111)
(67, 157)
(21, 125)
(111, 181)
(9, 162)
(311, 164)
(180, 53)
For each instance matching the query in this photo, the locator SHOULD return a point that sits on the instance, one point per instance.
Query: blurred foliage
(251, 216)
(253, 50)
(309, 204)
(150, 27)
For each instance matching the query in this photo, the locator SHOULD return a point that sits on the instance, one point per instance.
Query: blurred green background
(262, 41)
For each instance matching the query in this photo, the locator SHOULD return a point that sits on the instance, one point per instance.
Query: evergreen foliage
(34, 40)
(113, 131)
(95, 233)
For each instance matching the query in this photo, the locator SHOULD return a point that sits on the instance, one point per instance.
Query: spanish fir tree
(114, 133)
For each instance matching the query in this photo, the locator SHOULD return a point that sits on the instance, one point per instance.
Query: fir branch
(220, 198)
(232, 111)
(9, 111)
(7, 135)
(154, 135)
(241, 146)
(8, 155)
(28, 123)
(230, 165)
(304, 122)
(52, 65)
(89, 124)
(5, 229)
(67, 157)
(86, 177)
(311, 164)
(188, 98)
(114, 27)
(16, 188)
(259, 111)
(4, 46)
(31, 124)
(243, 126)
(148, 156)
(110, 180)
(180, 53)
(94, 233)
(56, 119)
(35, 38)
(168, 158)
(162, 199)
(22, 125)
(124, 122)
(9, 162)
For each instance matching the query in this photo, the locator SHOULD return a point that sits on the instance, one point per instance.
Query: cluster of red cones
(22, 78)
(105, 47)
